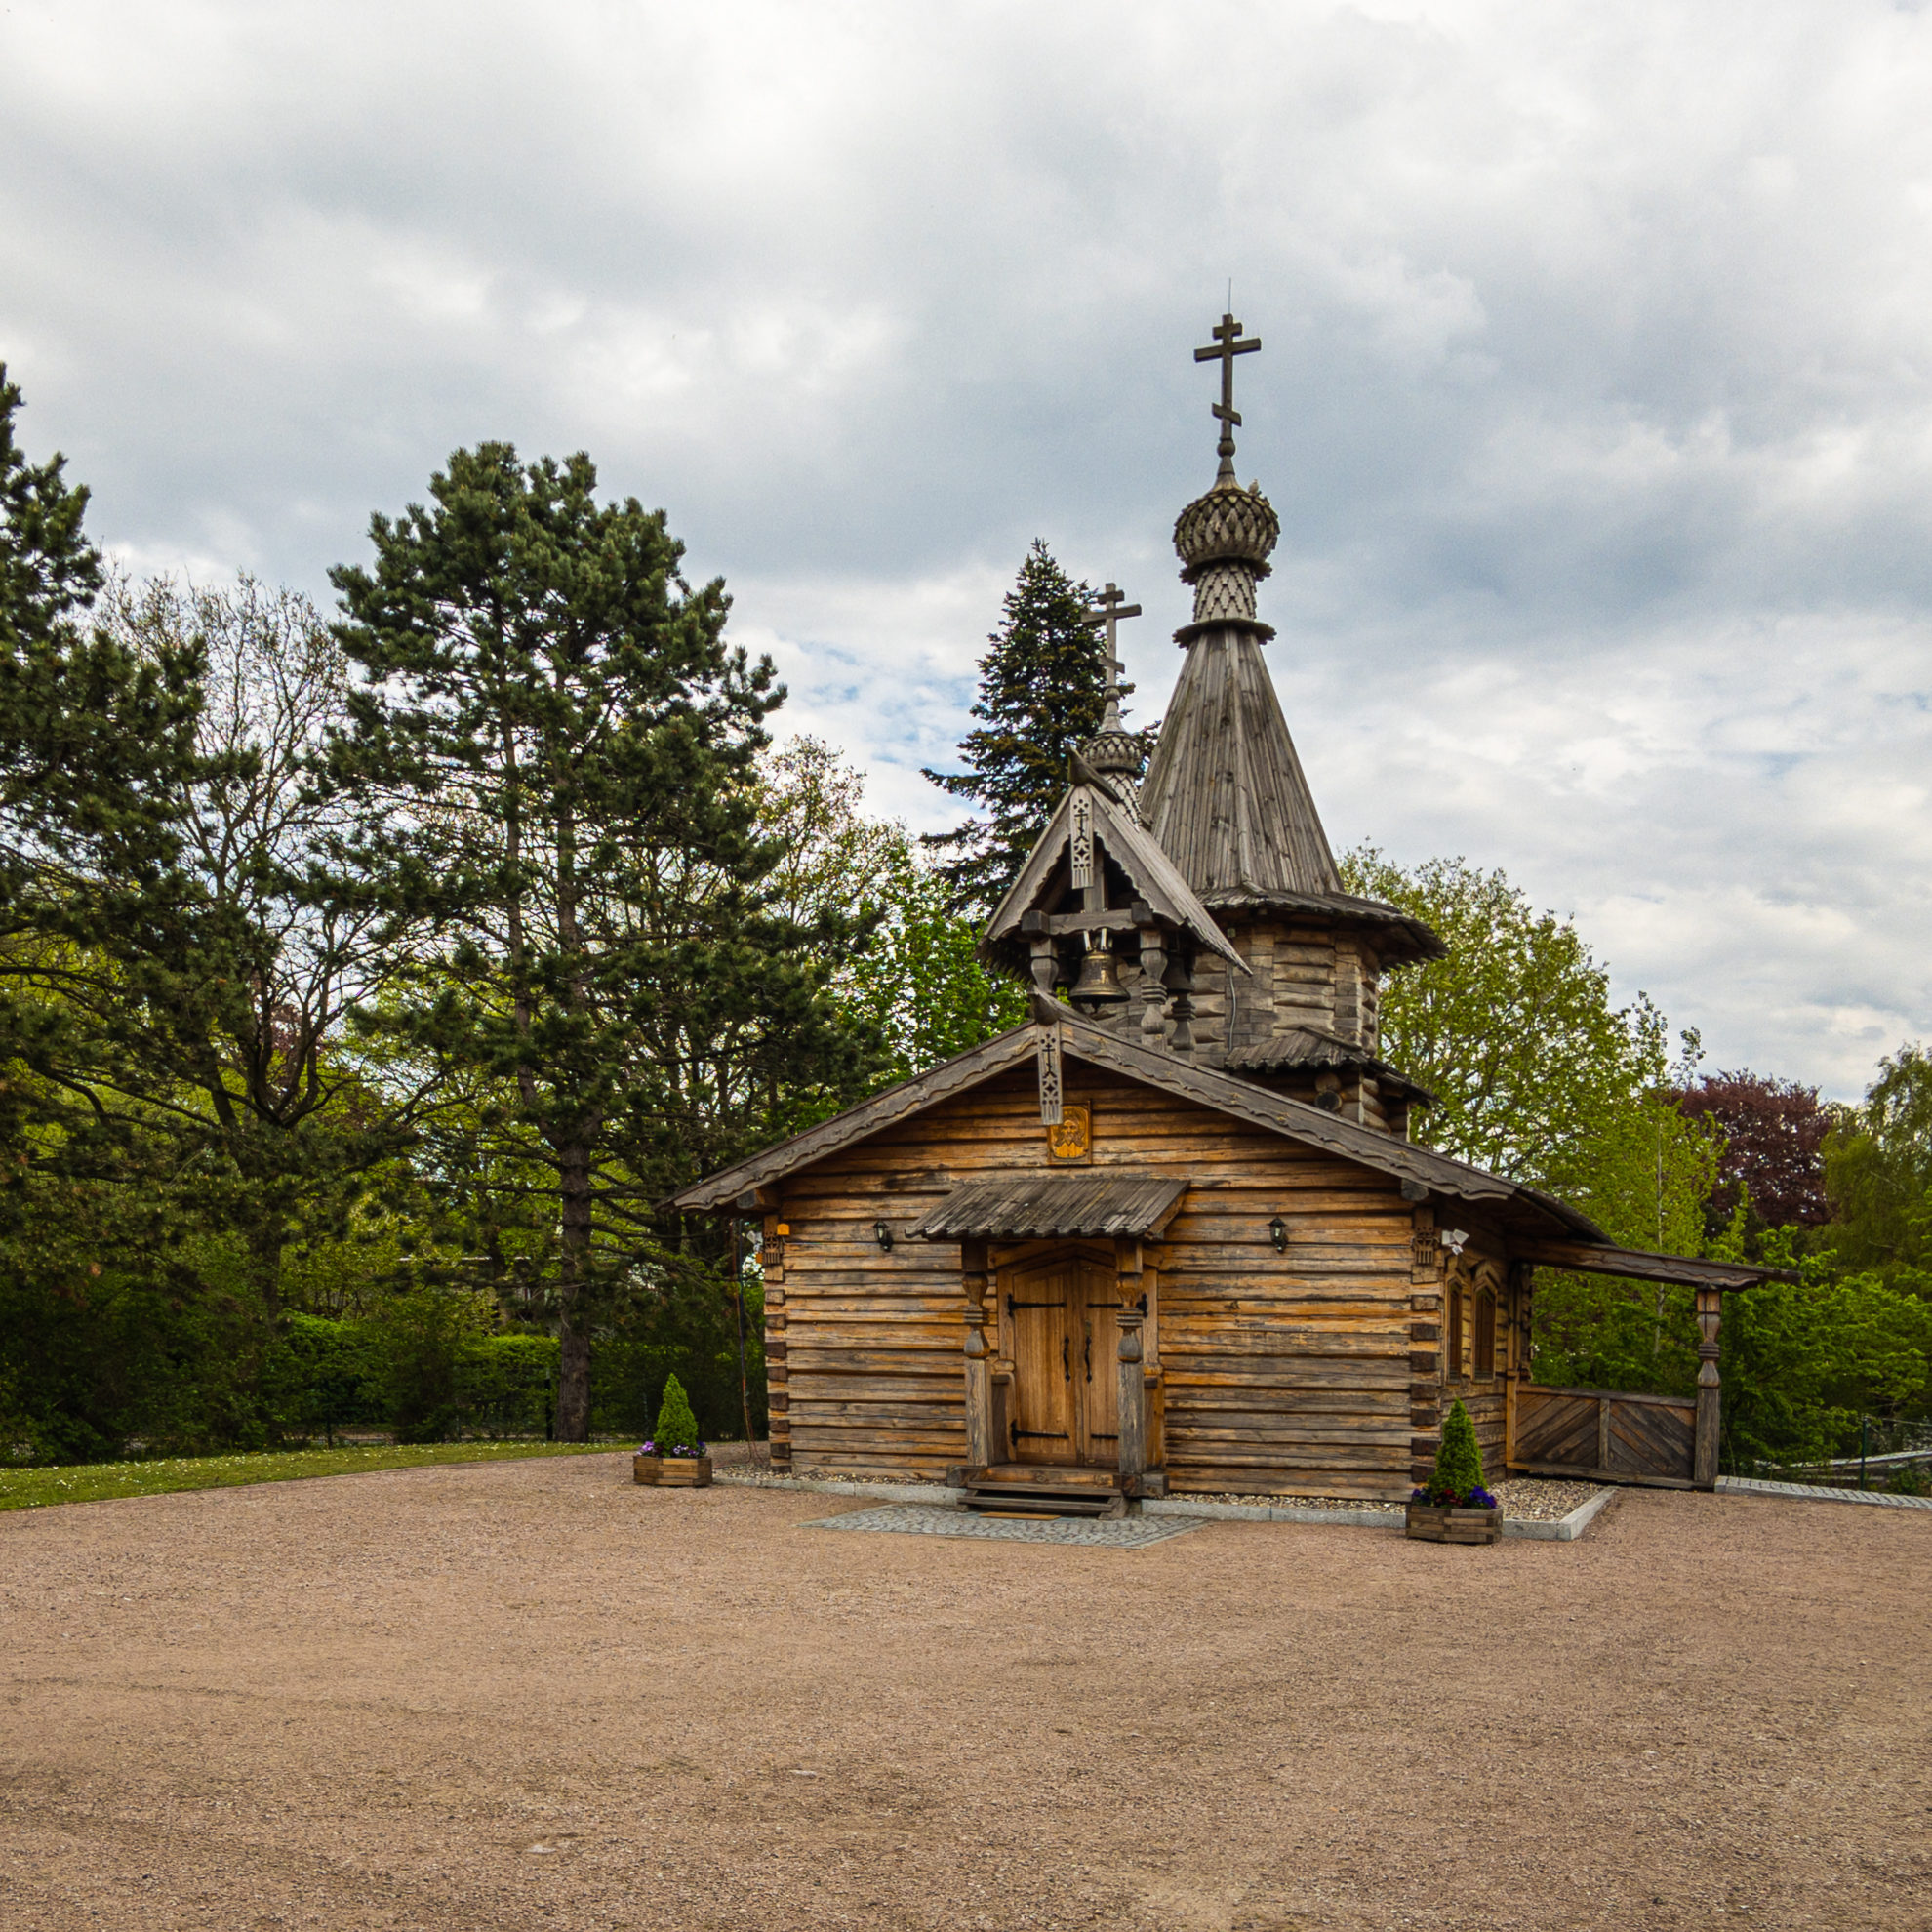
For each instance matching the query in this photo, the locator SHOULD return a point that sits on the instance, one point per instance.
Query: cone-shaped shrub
(1458, 1458)
(678, 1426)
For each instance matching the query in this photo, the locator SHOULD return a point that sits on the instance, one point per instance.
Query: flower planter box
(684, 1471)
(1428, 1523)
(647, 1470)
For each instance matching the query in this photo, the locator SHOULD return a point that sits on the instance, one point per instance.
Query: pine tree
(1042, 690)
(551, 754)
(678, 1426)
(1458, 1458)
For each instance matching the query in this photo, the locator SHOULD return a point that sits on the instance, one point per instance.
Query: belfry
(1274, 971)
(1173, 1234)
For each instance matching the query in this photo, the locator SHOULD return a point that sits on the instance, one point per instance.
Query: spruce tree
(551, 755)
(1458, 1459)
(1042, 690)
(678, 1426)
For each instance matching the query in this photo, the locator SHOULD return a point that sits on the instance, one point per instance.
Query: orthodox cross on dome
(1226, 346)
(1108, 609)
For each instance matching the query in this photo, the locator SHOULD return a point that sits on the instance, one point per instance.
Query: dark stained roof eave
(1418, 941)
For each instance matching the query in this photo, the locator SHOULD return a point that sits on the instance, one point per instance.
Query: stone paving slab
(923, 1520)
(1815, 1493)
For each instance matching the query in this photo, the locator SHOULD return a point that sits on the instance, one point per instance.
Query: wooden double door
(1060, 1321)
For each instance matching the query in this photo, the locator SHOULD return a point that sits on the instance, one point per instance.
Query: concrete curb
(1815, 1493)
(1564, 1529)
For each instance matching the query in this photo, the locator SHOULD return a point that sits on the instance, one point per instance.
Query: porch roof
(1036, 1206)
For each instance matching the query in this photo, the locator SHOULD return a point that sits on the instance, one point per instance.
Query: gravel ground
(532, 1694)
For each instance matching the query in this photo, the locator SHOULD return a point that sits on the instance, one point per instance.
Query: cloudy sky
(1597, 393)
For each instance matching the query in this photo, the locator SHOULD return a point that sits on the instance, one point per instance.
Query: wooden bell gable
(1100, 907)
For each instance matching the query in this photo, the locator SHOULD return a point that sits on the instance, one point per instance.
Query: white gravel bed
(1526, 1499)
(765, 1479)
(1542, 1499)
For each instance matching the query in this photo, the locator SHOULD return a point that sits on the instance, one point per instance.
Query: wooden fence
(1607, 1436)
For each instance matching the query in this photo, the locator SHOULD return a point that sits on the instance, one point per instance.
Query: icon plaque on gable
(1071, 1138)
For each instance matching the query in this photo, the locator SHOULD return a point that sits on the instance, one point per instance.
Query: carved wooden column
(982, 1449)
(1153, 994)
(1704, 1457)
(1132, 1424)
(1179, 979)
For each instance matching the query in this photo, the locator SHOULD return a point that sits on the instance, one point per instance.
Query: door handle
(1065, 1358)
(1090, 1354)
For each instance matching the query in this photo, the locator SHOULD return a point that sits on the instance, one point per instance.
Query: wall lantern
(1277, 1232)
(883, 1231)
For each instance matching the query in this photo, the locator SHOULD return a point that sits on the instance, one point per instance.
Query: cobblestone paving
(1817, 1492)
(903, 1519)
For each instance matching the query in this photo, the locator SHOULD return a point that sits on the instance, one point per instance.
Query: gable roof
(1151, 871)
(1239, 1099)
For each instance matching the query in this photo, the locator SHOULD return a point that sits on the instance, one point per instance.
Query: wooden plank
(1533, 1390)
(1584, 1470)
(1285, 1372)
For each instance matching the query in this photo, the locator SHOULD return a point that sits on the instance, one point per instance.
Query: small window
(1485, 1333)
(1453, 1360)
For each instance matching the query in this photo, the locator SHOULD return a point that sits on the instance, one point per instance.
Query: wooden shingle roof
(1026, 1207)
(1225, 793)
(1226, 798)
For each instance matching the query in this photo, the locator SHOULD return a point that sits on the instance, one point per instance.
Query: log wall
(1277, 1371)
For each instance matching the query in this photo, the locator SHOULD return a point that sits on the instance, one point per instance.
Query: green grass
(98, 1482)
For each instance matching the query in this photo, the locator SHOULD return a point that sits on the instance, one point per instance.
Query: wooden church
(1173, 1235)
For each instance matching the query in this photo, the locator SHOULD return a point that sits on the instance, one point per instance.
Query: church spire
(1225, 793)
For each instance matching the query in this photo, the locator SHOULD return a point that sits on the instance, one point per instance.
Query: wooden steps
(1043, 1491)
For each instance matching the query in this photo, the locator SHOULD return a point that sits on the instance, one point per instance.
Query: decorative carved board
(1645, 1440)
(1059, 1317)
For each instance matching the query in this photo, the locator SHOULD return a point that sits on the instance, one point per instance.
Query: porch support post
(979, 1370)
(1133, 1381)
(1704, 1457)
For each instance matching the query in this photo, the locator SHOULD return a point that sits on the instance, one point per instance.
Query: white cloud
(1594, 395)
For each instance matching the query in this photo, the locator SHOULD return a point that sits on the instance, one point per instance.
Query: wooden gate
(1609, 1437)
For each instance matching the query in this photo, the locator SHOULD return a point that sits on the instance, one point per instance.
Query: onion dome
(1228, 525)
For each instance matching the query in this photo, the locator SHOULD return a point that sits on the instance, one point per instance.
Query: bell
(1098, 984)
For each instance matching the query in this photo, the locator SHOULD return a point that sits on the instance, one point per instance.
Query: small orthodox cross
(1108, 611)
(1226, 346)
